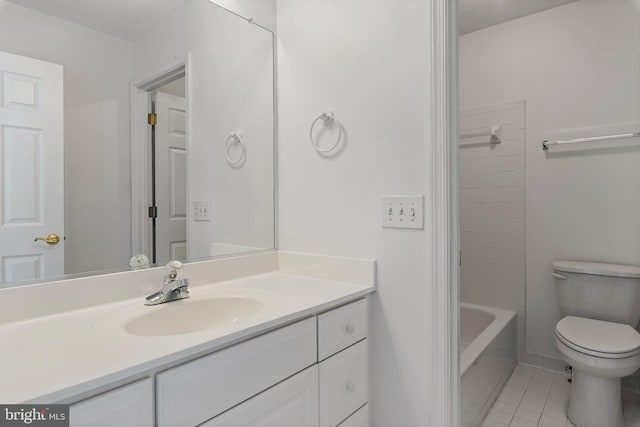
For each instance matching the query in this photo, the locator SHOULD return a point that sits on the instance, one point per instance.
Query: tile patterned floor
(538, 398)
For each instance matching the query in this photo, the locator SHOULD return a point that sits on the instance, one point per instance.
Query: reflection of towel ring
(328, 119)
(235, 137)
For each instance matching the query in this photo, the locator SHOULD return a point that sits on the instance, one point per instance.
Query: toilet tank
(609, 292)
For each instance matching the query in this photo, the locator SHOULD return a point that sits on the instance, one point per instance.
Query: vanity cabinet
(194, 392)
(127, 406)
(341, 327)
(360, 418)
(292, 403)
(344, 384)
(343, 362)
(312, 373)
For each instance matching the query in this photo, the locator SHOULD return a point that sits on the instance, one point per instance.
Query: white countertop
(55, 357)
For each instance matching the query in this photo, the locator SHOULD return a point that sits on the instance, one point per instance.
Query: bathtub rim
(481, 342)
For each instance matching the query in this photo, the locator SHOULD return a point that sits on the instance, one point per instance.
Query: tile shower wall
(492, 210)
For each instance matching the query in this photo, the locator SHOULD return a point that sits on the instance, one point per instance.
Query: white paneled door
(31, 168)
(171, 178)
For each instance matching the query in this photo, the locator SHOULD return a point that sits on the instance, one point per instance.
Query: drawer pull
(350, 328)
(351, 386)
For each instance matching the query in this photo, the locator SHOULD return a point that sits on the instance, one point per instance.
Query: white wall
(263, 12)
(369, 62)
(97, 71)
(577, 67)
(159, 47)
(230, 88)
(162, 45)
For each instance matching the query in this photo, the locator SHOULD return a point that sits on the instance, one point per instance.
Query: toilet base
(595, 401)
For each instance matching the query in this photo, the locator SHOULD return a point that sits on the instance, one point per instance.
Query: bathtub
(487, 357)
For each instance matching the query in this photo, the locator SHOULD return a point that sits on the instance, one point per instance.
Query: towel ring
(235, 137)
(328, 119)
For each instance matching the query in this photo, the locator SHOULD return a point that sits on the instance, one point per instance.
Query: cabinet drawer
(199, 390)
(344, 385)
(339, 328)
(359, 419)
(292, 403)
(127, 406)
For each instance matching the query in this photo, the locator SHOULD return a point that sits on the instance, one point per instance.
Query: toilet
(597, 336)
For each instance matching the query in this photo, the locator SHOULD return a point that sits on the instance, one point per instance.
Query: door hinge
(152, 119)
(460, 258)
(153, 212)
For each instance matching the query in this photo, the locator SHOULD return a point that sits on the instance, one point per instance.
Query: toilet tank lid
(597, 268)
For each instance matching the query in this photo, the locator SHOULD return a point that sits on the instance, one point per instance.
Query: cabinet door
(197, 391)
(344, 384)
(128, 406)
(292, 403)
(359, 419)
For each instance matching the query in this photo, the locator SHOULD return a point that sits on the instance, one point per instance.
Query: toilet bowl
(597, 337)
(600, 353)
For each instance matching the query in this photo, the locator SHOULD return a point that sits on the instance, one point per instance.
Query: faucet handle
(173, 270)
(174, 287)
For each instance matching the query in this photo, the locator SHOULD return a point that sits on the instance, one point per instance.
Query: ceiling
(474, 15)
(120, 18)
(125, 18)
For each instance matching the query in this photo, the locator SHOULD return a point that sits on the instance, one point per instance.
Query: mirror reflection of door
(170, 173)
(112, 66)
(31, 168)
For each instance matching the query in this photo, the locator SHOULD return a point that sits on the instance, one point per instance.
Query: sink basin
(190, 315)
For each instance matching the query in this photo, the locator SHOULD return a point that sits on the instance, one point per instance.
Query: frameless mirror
(129, 128)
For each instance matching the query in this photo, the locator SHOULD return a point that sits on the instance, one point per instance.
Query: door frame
(445, 391)
(141, 233)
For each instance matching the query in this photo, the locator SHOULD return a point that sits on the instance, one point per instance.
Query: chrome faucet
(174, 287)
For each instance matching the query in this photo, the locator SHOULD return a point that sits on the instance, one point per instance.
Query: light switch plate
(201, 210)
(403, 211)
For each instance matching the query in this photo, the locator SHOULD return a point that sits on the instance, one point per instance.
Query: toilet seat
(598, 338)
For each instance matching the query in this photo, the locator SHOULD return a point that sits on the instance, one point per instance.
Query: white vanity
(274, 337)
(299, 360)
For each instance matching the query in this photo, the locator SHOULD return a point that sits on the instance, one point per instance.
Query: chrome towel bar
(547, 144)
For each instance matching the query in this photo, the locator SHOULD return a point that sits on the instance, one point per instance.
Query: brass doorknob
(51, 239)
